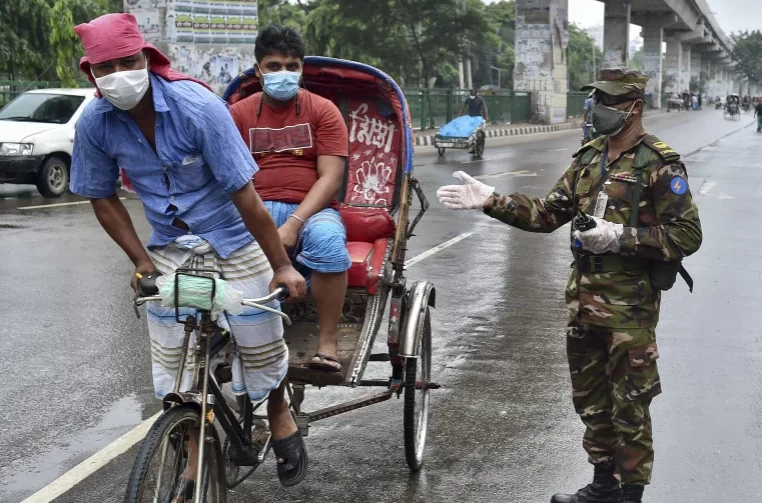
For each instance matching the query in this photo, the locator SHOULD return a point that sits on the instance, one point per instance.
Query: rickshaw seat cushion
(367, 225)
(367, 261)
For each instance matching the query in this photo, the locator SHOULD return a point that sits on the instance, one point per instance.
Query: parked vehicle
(37, 136)
(674, 102)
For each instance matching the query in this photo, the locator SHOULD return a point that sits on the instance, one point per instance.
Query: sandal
(291, 455)
(322, 365)
(186, 492)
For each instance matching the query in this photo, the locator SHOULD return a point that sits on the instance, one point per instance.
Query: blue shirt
(589, 105)
(199, 161)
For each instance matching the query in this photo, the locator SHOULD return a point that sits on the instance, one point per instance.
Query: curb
(428, 140)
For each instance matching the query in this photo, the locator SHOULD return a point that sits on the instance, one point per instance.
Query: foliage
(64, 41)
(37, 41)
(582, 66)
(747, 54)
(419, 42)
(415, 40)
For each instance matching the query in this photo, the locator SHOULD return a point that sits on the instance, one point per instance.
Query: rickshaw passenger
(300, 142)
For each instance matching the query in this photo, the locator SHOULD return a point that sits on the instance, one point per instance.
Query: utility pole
(461, 75)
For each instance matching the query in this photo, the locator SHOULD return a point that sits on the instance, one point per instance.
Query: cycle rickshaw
(732, 107)
(377, 208)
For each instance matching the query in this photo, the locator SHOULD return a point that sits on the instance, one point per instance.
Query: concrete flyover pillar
(653, 37)
(696, 69)
(685, 69)
(674, 64)
(706, 69)
(616, 33)
(542, 37)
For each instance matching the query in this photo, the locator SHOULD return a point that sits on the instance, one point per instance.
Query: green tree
(417, 40)
(581, 67)
(37, 41)
(24, 38)
(747, 53)
(499, 50)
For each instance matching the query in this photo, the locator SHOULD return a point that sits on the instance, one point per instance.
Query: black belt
(180, 224)
(609, 263)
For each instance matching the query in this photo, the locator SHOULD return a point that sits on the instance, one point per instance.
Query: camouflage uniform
(611, 340)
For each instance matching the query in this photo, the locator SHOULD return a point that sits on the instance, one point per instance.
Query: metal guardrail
(575, 104)
(431, 108)
(9, 89)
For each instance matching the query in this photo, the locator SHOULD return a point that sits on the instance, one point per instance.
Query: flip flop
(291, 455)
(325, 367)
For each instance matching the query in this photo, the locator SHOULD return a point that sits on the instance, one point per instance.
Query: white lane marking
(505, 173)
(706, 187)
(437, 249)
(68, 480)
(558, 150)
(475, 160)
(43, 206)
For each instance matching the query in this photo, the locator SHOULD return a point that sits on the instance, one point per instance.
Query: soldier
(621, 266)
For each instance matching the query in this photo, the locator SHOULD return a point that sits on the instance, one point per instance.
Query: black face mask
(610, 121)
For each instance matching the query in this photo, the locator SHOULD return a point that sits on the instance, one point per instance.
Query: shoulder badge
(665, 151)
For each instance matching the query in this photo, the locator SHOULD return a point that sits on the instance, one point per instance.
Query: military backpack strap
(686, 277)
(643, 157)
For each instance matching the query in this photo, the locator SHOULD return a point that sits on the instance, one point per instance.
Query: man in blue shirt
(586, 119)
(178, 144)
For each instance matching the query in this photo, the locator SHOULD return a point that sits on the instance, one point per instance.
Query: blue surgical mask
(281, 85)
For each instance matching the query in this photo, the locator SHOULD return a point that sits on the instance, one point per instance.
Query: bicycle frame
(205, 391)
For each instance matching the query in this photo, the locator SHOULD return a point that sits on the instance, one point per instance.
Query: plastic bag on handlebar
(196, 292)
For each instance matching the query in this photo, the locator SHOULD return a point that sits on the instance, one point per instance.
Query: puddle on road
(24, 476)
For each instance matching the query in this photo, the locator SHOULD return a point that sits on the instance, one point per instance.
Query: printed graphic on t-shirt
(265, 140)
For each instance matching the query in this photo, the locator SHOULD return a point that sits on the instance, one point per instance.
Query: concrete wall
(212, 40)
(541, 68)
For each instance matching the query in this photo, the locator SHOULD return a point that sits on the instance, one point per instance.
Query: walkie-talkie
(582, 222)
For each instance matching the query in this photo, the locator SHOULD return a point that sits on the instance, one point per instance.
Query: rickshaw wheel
(441, 151)
(416, 412)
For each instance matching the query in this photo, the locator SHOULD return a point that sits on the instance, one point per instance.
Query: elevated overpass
(697, 49)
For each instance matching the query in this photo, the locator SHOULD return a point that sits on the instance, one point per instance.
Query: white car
(37, 136)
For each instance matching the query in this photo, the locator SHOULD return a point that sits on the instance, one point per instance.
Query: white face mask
(124, 89)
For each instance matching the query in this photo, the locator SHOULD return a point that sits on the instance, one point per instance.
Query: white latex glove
(603, 238)
(470, 196)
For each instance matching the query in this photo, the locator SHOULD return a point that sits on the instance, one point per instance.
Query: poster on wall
(224, 68)
(183, 27)
(132, 5)
(149, 23)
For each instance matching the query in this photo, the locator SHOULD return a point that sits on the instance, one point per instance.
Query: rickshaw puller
(176, 141)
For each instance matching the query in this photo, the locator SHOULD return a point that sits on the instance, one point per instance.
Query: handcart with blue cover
(463, 132)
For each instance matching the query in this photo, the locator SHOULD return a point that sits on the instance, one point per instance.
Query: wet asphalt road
(75, 369)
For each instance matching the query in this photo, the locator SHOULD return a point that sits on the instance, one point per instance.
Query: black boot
(604, 489)
(631, 494)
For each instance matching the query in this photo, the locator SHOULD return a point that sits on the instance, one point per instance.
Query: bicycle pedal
(260, 437)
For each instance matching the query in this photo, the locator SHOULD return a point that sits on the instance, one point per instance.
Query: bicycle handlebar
(279, 293)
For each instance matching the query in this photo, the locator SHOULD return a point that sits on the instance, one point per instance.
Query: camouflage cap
(619, 81)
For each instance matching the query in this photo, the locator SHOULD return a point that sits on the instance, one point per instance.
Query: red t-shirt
(286, 146)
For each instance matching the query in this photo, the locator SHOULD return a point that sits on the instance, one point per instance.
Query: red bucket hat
(113, 36)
